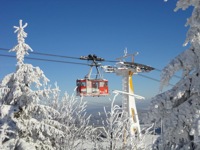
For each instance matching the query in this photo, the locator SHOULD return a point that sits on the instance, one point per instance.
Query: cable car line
(58, 61)
(45, 54)
(37, 53)
(70, 57)
(4, 49)
(55, 55)
(49, 60)
(173, 75)
(153, 79)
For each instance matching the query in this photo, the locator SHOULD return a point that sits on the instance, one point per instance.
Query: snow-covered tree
(73, 115)
(21, 48)
(178, 109)
(24, 123)
(114, 131)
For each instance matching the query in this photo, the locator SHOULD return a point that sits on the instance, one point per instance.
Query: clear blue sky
(102, 27)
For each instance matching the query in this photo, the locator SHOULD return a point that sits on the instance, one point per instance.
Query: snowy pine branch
(22, 48)
(178, 108)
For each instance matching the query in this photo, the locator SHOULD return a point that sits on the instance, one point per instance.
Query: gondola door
(89, 87)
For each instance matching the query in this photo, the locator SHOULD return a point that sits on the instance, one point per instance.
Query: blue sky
(102, 27)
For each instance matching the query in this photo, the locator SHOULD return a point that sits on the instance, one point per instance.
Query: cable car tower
(126, 70)
(92, 86)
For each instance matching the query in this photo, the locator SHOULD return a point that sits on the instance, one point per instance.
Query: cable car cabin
(92, 87)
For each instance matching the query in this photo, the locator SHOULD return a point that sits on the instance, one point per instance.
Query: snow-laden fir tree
(24, 123)
(179, 108)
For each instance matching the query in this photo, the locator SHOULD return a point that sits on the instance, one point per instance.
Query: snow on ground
(146, 143)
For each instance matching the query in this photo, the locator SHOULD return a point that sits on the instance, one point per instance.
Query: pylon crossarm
(138, 67)
(131, 94)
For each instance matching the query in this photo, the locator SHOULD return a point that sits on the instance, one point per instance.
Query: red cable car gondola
(92, 87)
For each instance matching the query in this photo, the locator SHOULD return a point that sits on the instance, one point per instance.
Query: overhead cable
(45, 54)
(50, 60)
(58, 61)
(64, 56)
(55, 55)
(173, 75)
(153, 79)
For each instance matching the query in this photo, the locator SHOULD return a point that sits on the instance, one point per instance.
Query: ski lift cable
(153, 79)
(45, 54)
(62, 56)
(55, 55)
(173, 75)
(49, 60)
(58, 61)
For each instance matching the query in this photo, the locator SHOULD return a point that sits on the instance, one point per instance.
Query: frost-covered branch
(187, 61)
(178, 108)
(73, 115)
(21, 48)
